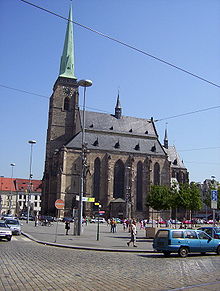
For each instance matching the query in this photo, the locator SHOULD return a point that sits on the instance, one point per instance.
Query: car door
(207, 243)
(192, 240)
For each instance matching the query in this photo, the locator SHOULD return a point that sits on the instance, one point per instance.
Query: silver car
(14, 225)
(5, 231)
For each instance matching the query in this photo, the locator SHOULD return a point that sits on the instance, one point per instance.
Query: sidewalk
(116, 242)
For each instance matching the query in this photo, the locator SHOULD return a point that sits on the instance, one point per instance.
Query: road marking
(195, 286)
(20, 238)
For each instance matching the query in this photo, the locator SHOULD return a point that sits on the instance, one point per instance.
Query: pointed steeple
(165, 138)
(67, 59)
(118, 109)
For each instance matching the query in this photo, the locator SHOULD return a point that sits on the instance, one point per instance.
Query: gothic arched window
(119, 174)
(139, 187)
(66, 104)
(156, 174)
(96, 179)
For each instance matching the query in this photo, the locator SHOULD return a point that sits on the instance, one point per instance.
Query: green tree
(190, 196)
(159, 197)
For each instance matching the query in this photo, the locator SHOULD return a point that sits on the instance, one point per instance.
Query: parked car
(8, 216)
(24, 217)
(95, 220)
(5, 231)
(212, 231)
(210, 221)
(184, 241)
(14, 225)
(69, 219)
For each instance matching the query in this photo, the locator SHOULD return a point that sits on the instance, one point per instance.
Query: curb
(86, 248)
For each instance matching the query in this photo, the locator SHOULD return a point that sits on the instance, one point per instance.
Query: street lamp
(1, 195)
(128, 196)
(10, 197)
(31, 142)
(84, 84)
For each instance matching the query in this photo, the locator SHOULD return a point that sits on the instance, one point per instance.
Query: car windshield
(14, 222)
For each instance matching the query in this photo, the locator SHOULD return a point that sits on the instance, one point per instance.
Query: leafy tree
(159, 197)
(190, 195)
(186, 196)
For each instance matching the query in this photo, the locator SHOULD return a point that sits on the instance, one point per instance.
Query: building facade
(14, 196)
(123, 156)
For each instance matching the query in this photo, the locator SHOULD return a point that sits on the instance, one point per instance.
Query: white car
(14, 225)
(95, 220)
(5, 231)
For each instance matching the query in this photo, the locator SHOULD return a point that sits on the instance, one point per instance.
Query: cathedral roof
(126, 124)
(104, 132)
(174, 157)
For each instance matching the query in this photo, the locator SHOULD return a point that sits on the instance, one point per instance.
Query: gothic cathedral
(123, 156)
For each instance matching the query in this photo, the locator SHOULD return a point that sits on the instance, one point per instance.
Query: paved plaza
(117, 241)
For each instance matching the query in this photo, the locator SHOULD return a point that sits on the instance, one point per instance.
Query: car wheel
(166, 254)
(183, 252)
(8, 238)
(218, 250)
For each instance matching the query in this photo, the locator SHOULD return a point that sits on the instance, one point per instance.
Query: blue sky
(184, 32)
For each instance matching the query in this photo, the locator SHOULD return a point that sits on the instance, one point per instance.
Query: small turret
(118, 109)
(166, 139)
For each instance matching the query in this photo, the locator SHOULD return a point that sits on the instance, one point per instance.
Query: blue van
(184, 241)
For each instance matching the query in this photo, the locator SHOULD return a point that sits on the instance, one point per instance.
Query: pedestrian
(67, 227)
(133, 231)
(124, 225)
(113, 225)
(36, 221)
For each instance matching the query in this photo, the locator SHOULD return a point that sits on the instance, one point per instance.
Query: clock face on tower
(67, 91)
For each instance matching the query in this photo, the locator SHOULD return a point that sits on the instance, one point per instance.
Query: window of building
(139, 186)
(156, 174)
(96, 179)
(119, 176)
(66, 104)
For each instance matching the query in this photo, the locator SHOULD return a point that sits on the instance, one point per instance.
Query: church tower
(63, 114)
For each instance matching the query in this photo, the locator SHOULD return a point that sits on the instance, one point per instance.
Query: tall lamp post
(31, 142)
(1, 195)
(84, 84)
(128, 194)
(10, 197)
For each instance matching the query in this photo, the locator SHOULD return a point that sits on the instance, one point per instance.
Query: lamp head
(85, 83)
(32, 141)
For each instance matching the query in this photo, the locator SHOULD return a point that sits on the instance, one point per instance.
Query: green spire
(67, 59)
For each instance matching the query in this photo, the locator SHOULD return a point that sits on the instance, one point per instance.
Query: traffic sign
(214, 195)
(59, 204)
(86, 199)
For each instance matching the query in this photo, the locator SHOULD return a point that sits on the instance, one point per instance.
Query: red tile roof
(23, 184)
(8, 184)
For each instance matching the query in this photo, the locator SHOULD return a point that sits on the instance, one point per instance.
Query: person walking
(113, 225)
(133, 231)
(67, 227)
